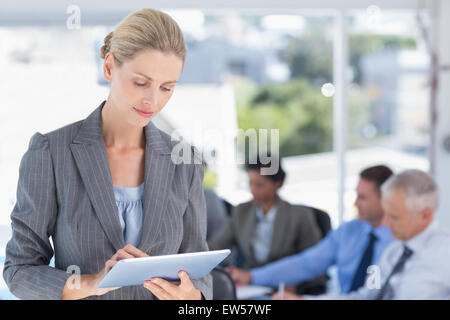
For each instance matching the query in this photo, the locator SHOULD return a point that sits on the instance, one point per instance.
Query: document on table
(248, 292)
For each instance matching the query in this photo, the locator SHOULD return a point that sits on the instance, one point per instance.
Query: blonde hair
(144, 29)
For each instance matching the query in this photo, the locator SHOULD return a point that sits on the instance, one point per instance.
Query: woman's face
(262, 188)
(144, 83)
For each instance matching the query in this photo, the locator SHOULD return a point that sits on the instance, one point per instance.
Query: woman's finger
(171, 289)
(159, 292)
(185, 280)
(109, 264)
(188, 288)
(229, 270)
(135, 251)
(122, 254)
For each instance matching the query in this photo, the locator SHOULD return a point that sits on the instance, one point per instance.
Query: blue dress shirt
(129, 204)
(342, 247)
(262, 237)
(424, 276)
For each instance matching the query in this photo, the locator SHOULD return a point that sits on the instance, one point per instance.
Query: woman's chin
(257, 202)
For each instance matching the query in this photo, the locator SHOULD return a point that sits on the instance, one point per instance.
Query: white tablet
(134, 271)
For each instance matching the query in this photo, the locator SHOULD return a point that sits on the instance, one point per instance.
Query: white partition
(442, 156)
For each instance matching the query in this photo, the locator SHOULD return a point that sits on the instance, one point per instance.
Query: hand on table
(240, 277)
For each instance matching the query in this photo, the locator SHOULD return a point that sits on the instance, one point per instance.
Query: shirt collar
(381, 232)
(269, 216)
(419, 240)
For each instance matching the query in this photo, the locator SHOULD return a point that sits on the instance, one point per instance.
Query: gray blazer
(65, 192)
(295, 229)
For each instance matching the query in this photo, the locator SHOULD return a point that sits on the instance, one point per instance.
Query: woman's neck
(266, 206)
(117, 133)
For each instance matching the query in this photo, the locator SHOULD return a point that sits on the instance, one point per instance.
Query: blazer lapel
(280, 227)
(89, 151)
(159, 173)
(248, 230)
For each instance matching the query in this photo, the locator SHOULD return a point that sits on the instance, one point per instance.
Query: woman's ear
(278, 184)
(108, 66)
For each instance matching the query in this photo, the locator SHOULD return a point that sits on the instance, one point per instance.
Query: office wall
(442, 172)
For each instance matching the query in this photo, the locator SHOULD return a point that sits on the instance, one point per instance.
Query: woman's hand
(89, 282)
(164, 290)
(129, 251)
(240, 277)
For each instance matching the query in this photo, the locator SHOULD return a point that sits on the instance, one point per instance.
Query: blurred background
(348, 84)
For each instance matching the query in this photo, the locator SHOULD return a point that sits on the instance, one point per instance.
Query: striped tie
(386, 292)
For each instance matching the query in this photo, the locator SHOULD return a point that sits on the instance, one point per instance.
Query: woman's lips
(143, 113)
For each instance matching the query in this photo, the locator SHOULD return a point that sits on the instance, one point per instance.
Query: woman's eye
(140, 84)
(167, 89)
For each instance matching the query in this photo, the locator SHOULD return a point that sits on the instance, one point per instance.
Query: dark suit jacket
(295, 229)
(65, 192)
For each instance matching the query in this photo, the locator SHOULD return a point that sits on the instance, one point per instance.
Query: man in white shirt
(416, 265)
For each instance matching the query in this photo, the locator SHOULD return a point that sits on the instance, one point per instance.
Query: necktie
(386, 290)
(361, 273)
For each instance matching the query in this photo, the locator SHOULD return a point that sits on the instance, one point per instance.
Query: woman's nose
(151, 101)
(148, 103)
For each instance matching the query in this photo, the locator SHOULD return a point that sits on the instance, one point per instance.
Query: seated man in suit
(416, 265)
(267, 228)
(352, 247)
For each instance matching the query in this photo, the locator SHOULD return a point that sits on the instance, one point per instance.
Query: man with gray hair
(416, 265)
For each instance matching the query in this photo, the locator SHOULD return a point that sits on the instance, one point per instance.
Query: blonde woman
(106, 188)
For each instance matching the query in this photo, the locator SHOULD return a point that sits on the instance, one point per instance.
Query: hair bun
(107, 46)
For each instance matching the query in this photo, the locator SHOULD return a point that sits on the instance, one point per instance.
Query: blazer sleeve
(194, 226)
(28, 253)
